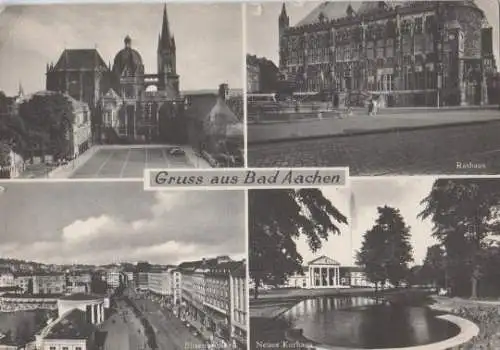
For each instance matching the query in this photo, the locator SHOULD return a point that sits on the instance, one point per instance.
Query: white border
(247, 263)
(244, 60)
(71, 180)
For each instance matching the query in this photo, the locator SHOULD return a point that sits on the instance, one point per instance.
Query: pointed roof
(80, 59)
(20, 92)
(112, 94)
(330, 10)
(323, 260)
(165, 37)
(219, 118)
(283, 11)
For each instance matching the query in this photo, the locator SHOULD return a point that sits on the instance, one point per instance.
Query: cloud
(32, 36)
(91, 228)
(178, 226)
(404, 194)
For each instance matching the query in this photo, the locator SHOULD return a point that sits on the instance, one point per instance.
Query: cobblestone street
(427, 151)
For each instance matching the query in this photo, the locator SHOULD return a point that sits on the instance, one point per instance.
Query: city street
(129, 162)
(124, 330)
(171, 333)
(426, 151)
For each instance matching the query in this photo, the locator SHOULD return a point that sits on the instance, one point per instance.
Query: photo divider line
(247, 260)
(244, 68)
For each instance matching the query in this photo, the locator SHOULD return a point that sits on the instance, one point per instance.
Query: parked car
(177, 151)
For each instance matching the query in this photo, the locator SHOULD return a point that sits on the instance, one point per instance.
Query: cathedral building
(126, 102)
(414, 53)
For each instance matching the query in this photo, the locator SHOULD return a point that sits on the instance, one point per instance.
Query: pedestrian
(370, 106)
(375, 106)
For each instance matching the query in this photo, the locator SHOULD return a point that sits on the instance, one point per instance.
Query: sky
(262, 24)
(338, 246)
(403, 193)
(112, 222)
(208, 39)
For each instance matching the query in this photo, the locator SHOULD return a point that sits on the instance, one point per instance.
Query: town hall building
(126, 102)
(413, 53)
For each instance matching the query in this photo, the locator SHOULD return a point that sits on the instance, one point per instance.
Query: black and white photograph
(384, 87)
(389, 263)
(105, 90)
(110, 266)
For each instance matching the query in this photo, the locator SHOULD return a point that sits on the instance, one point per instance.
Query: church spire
(283, 11)
(20, 92)
(165, 30)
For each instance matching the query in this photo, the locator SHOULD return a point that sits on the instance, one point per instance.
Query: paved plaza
(360, 123)
(129, 162)
(407, 152)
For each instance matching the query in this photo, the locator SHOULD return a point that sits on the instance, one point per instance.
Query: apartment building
(159, 282)
(49, 283)
(6, 278)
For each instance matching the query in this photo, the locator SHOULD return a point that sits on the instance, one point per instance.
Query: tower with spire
(283, 25)
(167, 70)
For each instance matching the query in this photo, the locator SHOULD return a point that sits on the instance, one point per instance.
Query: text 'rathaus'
(417, 53)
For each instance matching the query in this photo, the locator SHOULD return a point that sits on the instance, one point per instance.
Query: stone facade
(322, 272)
(416, 53)
(125, 101)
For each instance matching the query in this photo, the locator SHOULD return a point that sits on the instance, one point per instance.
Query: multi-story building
(414, 53)
(130, 277)
(176, 286)
(239, 307)
(142, 280)
(262, 75)
(6, 278)
(113, 277)
(193, 292)
(49, 283)
(78, 282)
(81, 136)
(214, 299)
(24, 281)
(253, 74)
(159, 283)
(218, 302)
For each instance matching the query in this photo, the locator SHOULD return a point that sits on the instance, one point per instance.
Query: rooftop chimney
(223, 91)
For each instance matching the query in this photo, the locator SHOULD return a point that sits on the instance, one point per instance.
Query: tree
(434, 269)
(386, 249)
(5, 158)
(414, 276)
(49, 118)
(464, 213)
(12, 129)
(277, 218)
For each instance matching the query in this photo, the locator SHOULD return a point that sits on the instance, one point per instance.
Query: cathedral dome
(127, 59)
